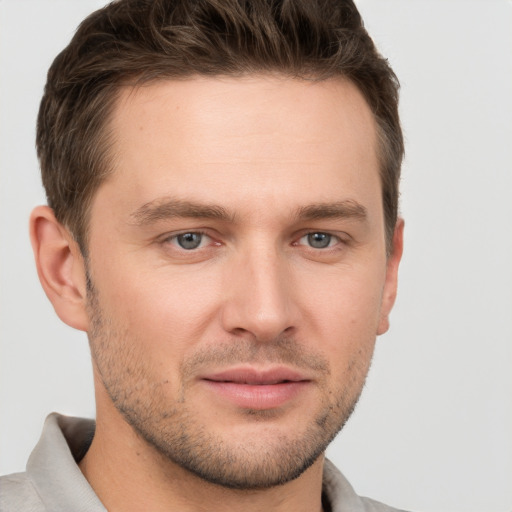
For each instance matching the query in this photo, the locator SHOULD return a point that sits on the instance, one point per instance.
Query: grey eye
(319, 240)
(189, 241)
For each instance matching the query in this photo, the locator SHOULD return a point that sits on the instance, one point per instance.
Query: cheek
(151, 327)
(164, 309)
(347, 299)
(344, 315)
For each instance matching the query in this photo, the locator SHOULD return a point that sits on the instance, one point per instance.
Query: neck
(128, 474)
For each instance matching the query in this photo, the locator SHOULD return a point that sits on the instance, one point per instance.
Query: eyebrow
(167, 208)
(164, 209)
(348, 209)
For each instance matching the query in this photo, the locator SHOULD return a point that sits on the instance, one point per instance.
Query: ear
(60, 267)
(390, 285)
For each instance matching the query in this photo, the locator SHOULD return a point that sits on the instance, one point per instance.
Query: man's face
(238, 271)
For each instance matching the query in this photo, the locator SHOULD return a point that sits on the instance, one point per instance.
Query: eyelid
(169, 238)
(174, 234)
(341, 237)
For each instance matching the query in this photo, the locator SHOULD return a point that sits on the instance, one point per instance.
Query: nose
(259, 296)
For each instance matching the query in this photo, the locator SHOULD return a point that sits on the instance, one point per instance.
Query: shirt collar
(52, 466)
(53, 469)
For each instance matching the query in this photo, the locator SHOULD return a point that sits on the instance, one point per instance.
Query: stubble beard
(177, 434)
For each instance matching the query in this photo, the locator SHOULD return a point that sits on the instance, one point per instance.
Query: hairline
(106, 137)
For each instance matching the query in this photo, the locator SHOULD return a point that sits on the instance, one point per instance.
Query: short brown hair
(137, 41)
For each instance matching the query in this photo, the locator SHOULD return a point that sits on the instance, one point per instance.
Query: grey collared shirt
(53, 481)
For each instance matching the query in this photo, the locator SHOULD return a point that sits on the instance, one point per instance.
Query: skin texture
(264, 170)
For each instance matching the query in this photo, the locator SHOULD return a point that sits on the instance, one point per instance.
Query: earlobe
(391, 283)
(60, 267)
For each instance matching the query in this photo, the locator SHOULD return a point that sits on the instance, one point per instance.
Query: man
(222, 181)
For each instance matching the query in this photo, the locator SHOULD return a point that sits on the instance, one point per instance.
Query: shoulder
(376, 506)
(342, 497)
(17, 494)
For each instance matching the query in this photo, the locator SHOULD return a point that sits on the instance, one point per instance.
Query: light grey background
(433, 431)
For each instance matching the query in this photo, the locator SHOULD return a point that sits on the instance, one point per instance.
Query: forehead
(263, 135)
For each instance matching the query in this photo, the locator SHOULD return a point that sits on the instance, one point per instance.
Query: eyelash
(331, 237)
(173, 240)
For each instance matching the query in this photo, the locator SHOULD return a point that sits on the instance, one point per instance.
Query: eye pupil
(319, 240)
(189, 240)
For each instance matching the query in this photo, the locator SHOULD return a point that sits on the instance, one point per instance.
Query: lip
(251, 388)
